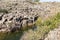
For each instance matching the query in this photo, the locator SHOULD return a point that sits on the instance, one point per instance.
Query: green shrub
(3, 11)
(39, 21)
(47, 25)
(36, 0)
(58, 16)
(47, 22)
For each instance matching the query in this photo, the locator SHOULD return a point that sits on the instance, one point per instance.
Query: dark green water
(11, 36)
(14, 35)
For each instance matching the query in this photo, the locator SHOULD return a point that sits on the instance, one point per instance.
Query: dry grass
(43, 27)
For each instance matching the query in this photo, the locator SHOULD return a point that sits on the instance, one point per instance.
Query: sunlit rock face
(16, 15)
(13, 22)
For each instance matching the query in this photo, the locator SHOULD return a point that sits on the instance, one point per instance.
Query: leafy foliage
(36, 0)
(3, 11)
(47, 25)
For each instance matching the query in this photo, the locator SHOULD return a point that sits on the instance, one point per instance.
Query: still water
(11, 36)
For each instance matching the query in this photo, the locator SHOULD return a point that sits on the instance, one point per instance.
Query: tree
(33, 0)
(36, 0)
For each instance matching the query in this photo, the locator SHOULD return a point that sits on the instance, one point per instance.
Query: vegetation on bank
(43, 27)
(49, 24)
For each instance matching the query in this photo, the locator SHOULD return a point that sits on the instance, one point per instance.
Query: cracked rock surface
(15, 15)
(54, 34)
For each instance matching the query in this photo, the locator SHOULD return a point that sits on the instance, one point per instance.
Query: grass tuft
(47, 25)
(3, 11)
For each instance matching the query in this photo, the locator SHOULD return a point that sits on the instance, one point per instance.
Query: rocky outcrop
(54, 34)
(11, 22)
(15, 14)
(16, 17)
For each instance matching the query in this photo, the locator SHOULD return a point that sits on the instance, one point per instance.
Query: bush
(3, 11)
(47, 25)
(39, 21)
